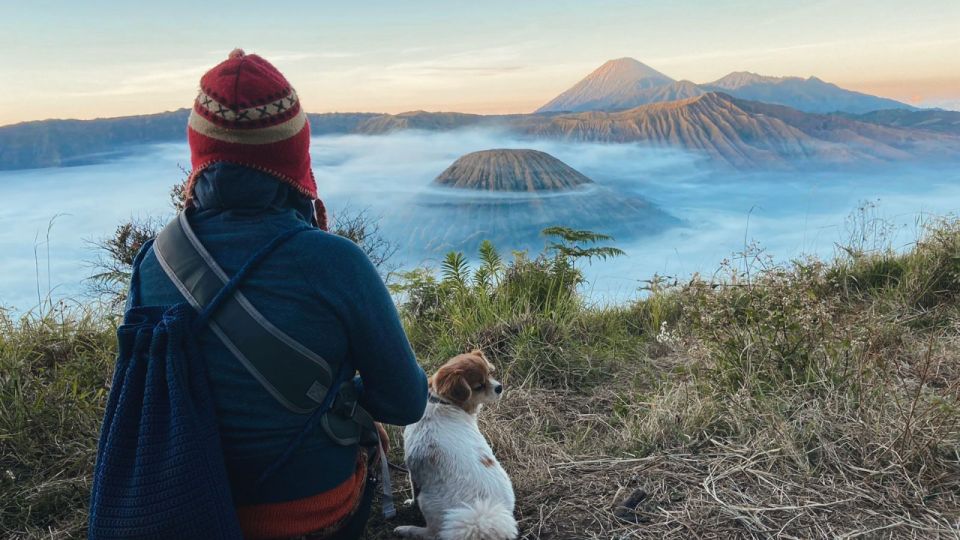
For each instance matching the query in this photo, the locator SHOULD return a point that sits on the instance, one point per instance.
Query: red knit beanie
(248, 114)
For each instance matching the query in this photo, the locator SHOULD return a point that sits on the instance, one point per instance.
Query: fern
(568, 235)
(482, 278)
(569, 244)
(490, 268)
(490, 257)
(455, 269)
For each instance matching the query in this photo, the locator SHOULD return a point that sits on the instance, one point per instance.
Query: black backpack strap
(294, 375)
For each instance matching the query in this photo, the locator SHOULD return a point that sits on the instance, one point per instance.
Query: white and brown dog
(460, 487)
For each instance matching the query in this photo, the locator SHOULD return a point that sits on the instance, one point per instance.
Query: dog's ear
(452, 385)
(479, 354)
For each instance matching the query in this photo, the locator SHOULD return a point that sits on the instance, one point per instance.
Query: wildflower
(666, 336)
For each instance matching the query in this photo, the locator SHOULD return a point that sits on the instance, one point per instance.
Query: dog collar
(433, 398)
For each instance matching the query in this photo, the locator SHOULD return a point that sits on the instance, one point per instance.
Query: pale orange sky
(96, 59)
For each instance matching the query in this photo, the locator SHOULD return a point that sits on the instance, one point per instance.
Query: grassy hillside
(808, 400)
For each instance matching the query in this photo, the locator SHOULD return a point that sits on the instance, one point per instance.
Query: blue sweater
(324, 292)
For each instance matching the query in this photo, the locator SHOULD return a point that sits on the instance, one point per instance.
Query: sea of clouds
(51, 215)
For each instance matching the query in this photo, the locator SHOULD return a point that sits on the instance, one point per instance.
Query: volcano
(511, 170)
(509, 196)
(810, 95)
(618, 84)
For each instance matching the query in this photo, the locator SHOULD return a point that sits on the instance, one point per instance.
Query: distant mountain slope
(328, 123)
(386, 123)
(55, 143)
(668, 92)
(626, 83)
(507, 169)
(618, 84)
(58, 143)
(745, 134)
(737, 132)
(809, 95)
(937, 120)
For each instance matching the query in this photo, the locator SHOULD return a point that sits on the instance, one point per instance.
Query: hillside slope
(432, 121)
(937, 120)
(808, 95)
(60, 143)
(813, 399)
(57, 143)
(744, 134)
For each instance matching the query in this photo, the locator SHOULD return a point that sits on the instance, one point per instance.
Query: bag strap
(133, 300)
(295, 376)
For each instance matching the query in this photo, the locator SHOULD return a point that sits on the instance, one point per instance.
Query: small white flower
(666, 337)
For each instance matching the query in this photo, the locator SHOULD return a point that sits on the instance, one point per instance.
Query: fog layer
(671, 212)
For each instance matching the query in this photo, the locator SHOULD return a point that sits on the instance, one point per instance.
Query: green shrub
(915, 283)
(524, 312)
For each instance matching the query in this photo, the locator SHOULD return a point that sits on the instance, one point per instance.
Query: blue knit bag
(160, 471)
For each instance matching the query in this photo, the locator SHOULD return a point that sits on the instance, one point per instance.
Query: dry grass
(574, 463)
(798, 401)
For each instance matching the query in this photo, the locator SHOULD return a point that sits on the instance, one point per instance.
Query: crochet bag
(160, 470)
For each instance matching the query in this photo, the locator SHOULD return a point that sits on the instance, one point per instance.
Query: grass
(802, 400)
(54, 371)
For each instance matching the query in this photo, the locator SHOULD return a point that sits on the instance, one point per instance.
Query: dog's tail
(480, 520)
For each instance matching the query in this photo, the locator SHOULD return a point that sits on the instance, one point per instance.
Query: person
(251, 179)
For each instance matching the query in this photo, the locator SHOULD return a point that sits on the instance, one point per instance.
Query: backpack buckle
(345, 405)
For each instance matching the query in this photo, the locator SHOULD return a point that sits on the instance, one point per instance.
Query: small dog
(460, 487)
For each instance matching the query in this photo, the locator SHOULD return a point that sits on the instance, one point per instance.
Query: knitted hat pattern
(247, 113)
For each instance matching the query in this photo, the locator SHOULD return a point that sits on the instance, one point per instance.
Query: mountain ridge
(733, 131)
(937, 120)
(66, 142)
(812, 94)
(626, 83)
(745, 134)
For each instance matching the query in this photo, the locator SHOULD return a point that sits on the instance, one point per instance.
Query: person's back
(318, 288)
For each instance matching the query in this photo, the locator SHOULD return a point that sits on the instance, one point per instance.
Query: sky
(88, 59)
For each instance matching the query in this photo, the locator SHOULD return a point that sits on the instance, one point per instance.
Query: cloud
(749, 58)
(293, 56)
(451, 69)
(158, 78)
(176, 75)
